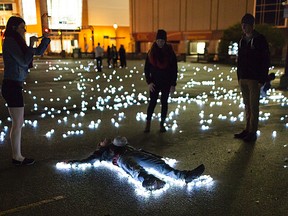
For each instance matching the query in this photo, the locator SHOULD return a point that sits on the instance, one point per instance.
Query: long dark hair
(10, 31)
(160, 57)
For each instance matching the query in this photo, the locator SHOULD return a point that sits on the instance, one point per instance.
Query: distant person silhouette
(122, 56)
(99, 52)
(114, 55)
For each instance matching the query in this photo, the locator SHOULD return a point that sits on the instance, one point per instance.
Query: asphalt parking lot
(69, 108)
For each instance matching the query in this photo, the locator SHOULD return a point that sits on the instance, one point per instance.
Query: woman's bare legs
(17, 115)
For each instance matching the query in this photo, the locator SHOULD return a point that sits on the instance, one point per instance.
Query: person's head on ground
(104, 142)
(247, 24)
(120, 141)
(161, 38)
(15, 25)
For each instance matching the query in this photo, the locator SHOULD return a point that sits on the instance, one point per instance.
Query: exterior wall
(198, 15)
(4, 16)
(142, 19)
(231, 12)
(185, 20)
(101, 16)
(187, 15)
(105, 35)
(36, 29)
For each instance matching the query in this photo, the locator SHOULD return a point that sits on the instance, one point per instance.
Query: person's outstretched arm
(91, 159)
(96, 156)
(43, 46)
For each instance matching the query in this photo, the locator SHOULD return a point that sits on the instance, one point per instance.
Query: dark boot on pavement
(250, 137)
(195, 173)
(241, 135)
(162, 127)
(147, 127)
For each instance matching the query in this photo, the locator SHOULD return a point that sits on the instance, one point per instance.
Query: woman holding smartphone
(18, 58)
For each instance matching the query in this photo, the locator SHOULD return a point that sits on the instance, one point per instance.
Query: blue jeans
(135, 162)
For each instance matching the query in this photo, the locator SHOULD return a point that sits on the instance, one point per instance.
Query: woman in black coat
(161, 76)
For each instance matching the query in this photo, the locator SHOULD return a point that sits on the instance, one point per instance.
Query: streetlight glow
(115, 26)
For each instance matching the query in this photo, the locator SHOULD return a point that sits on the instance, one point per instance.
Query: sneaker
(250, 137)
(241, 135)
(195, 173)
(153, 183)
(26, 161)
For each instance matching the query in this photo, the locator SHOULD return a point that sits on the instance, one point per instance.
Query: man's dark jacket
(253, 58)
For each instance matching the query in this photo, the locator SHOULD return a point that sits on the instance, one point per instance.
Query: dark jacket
(160, 77)
(253, 58)
(109, 153)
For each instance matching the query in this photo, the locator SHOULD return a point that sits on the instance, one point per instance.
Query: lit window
(29, 12)
(201, 47)
(70, 18)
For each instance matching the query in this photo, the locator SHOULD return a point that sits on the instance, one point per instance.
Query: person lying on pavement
(135, 162)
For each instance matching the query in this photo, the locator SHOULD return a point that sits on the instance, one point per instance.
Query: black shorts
(12, 93)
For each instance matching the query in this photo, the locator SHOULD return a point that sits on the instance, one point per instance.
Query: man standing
(114, 55)
(252, 72)
(99, 54)
(122, 55)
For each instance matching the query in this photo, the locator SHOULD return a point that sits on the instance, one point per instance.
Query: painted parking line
(31, 205)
